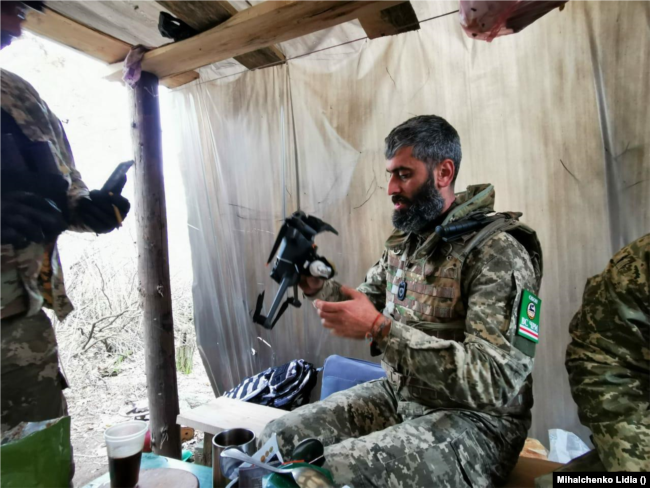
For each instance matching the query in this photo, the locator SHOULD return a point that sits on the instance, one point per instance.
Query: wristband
(370, 334)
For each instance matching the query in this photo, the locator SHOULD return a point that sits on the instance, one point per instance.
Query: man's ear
(444, 174)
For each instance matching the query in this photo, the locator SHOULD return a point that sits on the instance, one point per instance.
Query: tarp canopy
(555, 117)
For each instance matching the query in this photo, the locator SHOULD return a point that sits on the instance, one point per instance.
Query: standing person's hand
(102, 211)
(27, 217)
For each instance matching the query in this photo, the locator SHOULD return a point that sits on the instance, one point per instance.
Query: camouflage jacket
(473, 364)
(32, 277)
(608, 359)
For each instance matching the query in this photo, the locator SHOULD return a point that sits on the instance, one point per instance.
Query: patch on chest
(401, 291)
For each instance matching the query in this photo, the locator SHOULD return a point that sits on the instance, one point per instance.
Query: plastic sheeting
(555, 117)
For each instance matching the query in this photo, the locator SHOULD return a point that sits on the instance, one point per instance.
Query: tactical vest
(433, 301)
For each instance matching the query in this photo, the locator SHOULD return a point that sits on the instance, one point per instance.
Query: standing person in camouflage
(42, 195)
(608, 360)
(454, 409)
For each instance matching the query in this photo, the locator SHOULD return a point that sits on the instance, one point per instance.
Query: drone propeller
(319, 226)
(298, 222)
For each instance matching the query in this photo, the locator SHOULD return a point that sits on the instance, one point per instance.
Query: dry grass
(104, 332)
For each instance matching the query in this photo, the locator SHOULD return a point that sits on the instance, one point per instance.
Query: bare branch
(98, 341)
(103, 288)
(92, 327)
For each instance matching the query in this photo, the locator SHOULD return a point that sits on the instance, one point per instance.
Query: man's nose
(393, 186)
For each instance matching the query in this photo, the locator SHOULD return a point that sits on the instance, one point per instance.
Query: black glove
(27, 218)
(100, 211)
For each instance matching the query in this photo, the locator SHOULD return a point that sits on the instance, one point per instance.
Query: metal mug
(242, 439)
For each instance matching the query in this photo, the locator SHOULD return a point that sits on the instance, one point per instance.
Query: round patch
(531, 311)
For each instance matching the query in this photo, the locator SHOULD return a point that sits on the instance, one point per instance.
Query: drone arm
(284, 286)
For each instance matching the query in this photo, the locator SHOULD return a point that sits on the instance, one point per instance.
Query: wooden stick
(153, 268)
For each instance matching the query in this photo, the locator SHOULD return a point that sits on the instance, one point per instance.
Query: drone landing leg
(284, 285)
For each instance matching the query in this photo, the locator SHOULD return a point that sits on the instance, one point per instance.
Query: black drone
(297, 256)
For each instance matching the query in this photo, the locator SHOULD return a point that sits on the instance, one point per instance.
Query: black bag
(286, 387)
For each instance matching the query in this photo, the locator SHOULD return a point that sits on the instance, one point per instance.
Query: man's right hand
(99, 211)
(310, 285)
(27, 217)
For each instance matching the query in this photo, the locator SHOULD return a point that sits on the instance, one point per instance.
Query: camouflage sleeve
(39, 123)
(485, 369)
(78, 188)
(608, 359)
(331, 292)
(374, 286)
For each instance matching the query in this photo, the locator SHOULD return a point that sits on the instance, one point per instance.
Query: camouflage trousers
(374, 440)
(32, 386)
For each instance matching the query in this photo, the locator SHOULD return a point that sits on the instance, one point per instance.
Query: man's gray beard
(425, 207)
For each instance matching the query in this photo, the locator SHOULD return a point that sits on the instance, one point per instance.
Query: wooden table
(152, 461)
(527, 469)
(223, 414)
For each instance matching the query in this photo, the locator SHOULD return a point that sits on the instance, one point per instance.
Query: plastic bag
(278, 481)
(486, 20)
(565, 446)
(37, 454)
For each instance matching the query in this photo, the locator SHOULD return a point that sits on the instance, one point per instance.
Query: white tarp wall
(556, 117)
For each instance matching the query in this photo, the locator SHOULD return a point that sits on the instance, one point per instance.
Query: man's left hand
(352, 318)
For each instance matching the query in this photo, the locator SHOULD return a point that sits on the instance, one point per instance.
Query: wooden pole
(153, 268)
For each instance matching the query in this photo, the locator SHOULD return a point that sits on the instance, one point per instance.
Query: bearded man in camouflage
(608, 360)
(42, 195)
(454, 409)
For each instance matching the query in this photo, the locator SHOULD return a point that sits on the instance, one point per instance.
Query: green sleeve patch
(528, 323)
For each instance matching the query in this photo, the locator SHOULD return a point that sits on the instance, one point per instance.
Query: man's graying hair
(432, 138)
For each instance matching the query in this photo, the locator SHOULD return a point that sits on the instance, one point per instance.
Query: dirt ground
(96, 405)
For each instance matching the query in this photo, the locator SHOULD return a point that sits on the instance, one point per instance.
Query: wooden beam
(262, 58)
(153, 268)
(180, 79)
(132, 21)
(202, 16)
(254, 28)
(98, 45)
(79, 37)
(390, 21)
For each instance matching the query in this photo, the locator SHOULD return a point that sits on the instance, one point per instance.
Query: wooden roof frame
(249, 35)
(96, 44)
(202, 16)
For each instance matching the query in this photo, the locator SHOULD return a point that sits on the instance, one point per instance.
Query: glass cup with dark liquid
(124, 443)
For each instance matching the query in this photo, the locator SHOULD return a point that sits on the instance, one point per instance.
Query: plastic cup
(124, 443)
